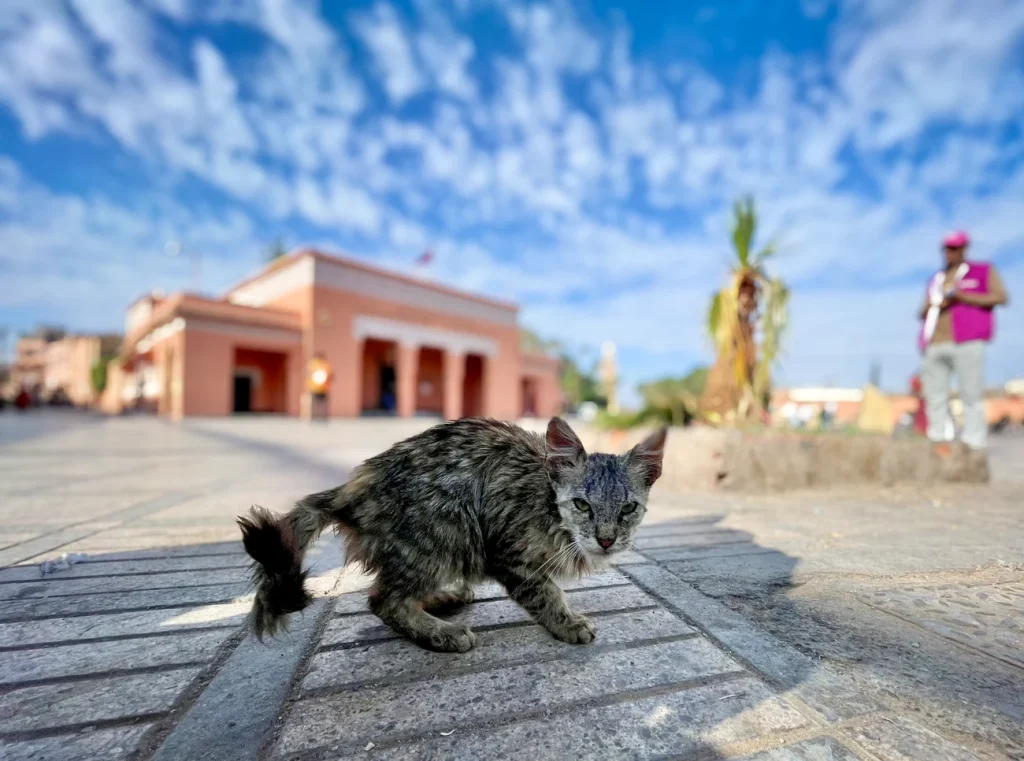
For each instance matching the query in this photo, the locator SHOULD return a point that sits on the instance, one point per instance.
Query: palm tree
(276, 250)
(746, 321)
(675, 399)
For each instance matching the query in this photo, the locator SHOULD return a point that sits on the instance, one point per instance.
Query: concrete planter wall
(699, 458)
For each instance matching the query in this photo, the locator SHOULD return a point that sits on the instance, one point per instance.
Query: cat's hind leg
(405, 613)
(450, 600)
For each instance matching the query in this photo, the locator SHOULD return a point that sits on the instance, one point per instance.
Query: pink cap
(956, 239)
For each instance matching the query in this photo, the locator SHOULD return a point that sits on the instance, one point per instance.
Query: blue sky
(580, 158)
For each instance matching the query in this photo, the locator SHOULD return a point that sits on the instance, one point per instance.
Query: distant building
(806, 403)
(51, 364)
(397, 345)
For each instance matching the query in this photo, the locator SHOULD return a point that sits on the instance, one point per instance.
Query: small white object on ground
(370, 746)
(448, 733)
(63, 563)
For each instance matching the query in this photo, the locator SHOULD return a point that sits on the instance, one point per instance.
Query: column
(407, 372)
(454, 375)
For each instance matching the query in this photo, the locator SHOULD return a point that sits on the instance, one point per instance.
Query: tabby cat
(462, 502)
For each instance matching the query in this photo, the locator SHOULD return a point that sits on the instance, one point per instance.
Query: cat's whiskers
(554, 559)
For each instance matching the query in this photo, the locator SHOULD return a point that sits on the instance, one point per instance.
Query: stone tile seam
(505, 719)
(696, 558)
(392, 637)
(123, 575)
(492, 598)
(116, 591)
(6, 687)
(571, 653)
(72, 729)
(73, 481)
(935, 635)
(117, 611)
(113, 638)
(164, 502)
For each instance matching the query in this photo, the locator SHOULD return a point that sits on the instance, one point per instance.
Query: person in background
(920, 418)
(956, 326)
(320, 377)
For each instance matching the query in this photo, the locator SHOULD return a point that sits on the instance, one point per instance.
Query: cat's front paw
(578, 630)
(451, 638)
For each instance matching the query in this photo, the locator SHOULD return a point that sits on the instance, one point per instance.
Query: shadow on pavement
(886, 641)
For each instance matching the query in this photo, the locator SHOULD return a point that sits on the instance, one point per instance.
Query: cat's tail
(277, 545)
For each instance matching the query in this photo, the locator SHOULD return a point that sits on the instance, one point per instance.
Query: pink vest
(971, 323)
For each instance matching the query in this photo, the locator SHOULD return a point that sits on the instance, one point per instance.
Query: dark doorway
(243, 393)
(388, 398)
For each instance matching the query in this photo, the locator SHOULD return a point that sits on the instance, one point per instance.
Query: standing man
(320, 377)
(957, 325)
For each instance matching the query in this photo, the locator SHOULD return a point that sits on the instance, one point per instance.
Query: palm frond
(744, 225)
(774, 321)
(714, 315)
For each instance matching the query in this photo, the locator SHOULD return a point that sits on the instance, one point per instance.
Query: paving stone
(60, 539)
(235, 716)
(674, 724)
(367, 627)
(629, 556)
(441, 705)
(41, 545)
(679, 525)
(187, 550)
(738, 575)
(821, 749)
(357, 603)
(401, 659)
(98, 745)
(140, 542)
(697, 553)
(781, 664)
(117, 625)
(94, 658)
(710, 538)
(53, 586)
(89, 567)
(900, 739)
(606, 578)
(69, 703)
(694, 540)
(990, 617)
(40, 607)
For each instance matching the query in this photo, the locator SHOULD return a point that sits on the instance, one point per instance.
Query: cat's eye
(582, 505)
(628, 508)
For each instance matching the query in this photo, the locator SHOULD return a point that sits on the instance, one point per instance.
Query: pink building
(397, 345)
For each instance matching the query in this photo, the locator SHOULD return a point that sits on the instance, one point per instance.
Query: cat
(462, 502)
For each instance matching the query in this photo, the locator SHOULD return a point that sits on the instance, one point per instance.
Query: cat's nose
(606, 543)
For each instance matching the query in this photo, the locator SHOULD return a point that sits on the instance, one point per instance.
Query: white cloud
(587, 180)
(555, 41)
(902, 66)
(338, 205)
(383, 33)
(86, 269)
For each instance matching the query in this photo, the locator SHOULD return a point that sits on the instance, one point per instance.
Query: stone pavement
(772, 628)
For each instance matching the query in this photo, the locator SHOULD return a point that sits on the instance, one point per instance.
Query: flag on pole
(425, 258)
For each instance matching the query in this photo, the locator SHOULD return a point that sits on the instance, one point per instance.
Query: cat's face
(601, 498)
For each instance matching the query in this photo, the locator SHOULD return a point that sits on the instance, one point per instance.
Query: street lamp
(174, 249)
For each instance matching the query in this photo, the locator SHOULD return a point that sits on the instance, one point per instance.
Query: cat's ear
(564, 449)
(645, 458)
